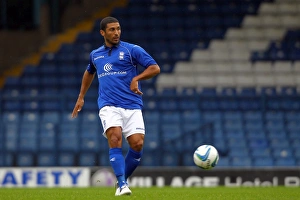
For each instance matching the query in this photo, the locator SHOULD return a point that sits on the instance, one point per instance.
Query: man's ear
(102, 32)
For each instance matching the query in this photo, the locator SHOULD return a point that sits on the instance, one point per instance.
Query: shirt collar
(116, 46)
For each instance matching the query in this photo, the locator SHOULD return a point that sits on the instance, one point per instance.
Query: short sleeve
(91, 67)
(142, 57)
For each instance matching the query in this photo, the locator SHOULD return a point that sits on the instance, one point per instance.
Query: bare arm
(86, 82)
(150, 72)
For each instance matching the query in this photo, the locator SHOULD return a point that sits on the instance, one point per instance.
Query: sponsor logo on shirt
(108, 67)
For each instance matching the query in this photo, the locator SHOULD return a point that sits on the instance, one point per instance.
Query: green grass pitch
(153, 193)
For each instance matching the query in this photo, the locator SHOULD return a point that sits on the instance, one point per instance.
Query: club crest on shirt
(121, 55)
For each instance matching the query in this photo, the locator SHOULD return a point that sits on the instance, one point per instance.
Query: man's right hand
(78, 106)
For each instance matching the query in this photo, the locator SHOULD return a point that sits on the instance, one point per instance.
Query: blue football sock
(118, 164)
(132, 160)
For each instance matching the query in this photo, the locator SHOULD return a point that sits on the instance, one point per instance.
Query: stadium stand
(230, 77)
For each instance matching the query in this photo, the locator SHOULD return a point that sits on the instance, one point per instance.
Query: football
(206, 156)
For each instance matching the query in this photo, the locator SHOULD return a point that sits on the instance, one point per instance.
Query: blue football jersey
(115, 68)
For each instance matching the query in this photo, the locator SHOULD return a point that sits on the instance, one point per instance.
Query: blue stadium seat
(289, 103)
(263, 162)
(233, 125)
(28, 141)
(11, 117)
(274, 115)
(168, 104)
(29, 81)
(190, 127)
(232, 115)
(254, 126)
(11, 105)
(28, 128)
(10, 92)
(228, 92)
(209, 116)
(152, 129)
(170, 159)
(31, 92)
(89, 143)
(188, 91)
(12, 82)
(67, 118)
(253, 134)
(150, 104)
(236, 134)
(288, 91)
(25, 159)
(92, 130)
(241, 162)
(104, 159)
(208, 91)
(188, 103)
(31, 105)
(151, 142)
(47, 142)
(46, 159)
(238, 152)
(11, 140)
(50, 116)
(277, 134)
(51, 104)
(247, 92)
(150, 159)
(274, 125)
(293, 126)
(261, 152)
(295, 143)
(151, 116)
(248, 103)
(285, 162)
(170, 131)
(223, 162)
(279, 143)
(31, 117)
(283, 152)
(228, 104)
(47, 128)
(209, 104)
(66, 159)
(188, 160)
(253, 116)
(170, 117)
(90, 117)
(87, 159)
(274, 103)
(6, 160)
(292, 115)
(268, 91)
(258, 143)
(68, 144)
(294, 135)
(296, 151)
(236, 142)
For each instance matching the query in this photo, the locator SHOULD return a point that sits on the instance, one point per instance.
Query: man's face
(111, 34)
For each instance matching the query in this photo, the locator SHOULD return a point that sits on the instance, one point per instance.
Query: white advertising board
(45, 177)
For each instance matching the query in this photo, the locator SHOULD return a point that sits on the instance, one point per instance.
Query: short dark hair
(105, 21)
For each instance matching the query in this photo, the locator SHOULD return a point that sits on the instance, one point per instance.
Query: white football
(206, 156)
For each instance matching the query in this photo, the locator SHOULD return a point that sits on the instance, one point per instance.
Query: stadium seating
(230, 77)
